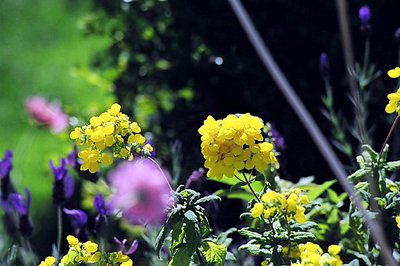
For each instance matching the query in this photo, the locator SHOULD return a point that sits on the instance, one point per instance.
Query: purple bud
(5, 169)
(17, 202)
(63, 186)
(364, 13)
(78, 218)
(277, 138)
(100, 205)
(324, 68)
(397, 36)
(194, 179)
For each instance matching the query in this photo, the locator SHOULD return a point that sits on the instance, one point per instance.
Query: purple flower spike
(122, 243)
(5, 169)
(78, 218)
(194, 180)
(324, 66)
(364, 13)
(17, 202)
(63, 186)
(6, 164)
(100, 205)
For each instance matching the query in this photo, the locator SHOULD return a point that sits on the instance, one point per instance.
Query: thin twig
(310, 125)
(396, 121)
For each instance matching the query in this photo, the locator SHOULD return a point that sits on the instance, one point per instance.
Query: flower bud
(397, 36)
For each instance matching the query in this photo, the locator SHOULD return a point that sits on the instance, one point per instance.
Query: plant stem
(396, 121)
(251, 189)
(59, 233)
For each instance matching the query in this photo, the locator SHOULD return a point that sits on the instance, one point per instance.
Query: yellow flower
(398, 221)
(257, 210)
(333, 250)
(90, 247)
(49, 261)
(72, 241)
(233, 144)
(394, 73)
(393, 105)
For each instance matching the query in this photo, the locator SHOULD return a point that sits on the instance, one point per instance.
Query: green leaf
(241, 195)
(257, 185)
(317, 190)
(301, 237)
(214, 253)
(178, 233)
(248, 233)
(359, 174)
(392, 166)
(190, 216)
(181, 257)
(206, 199)
(165, 231)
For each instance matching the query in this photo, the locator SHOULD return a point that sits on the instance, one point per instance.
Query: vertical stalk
(396, 121)
(59, 227)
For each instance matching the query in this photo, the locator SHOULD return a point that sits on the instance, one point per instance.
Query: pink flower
(141, 191)
(46, 113)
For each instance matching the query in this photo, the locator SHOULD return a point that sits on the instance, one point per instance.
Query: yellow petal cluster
(394, 73)
(87, 252)
(393, 105)
(110, 130)
(312, 254)
(289, 205)
(233, 144)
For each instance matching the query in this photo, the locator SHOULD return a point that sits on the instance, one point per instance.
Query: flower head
(5, 169)
(47, 113)
(101, 207)
(393, 105)
(17, 202)
(141, 191)
(110, 130)
(63, 186)
(324, 68)
(364, 13)
(74, 161)
(122, 243)
(78, 219)
(233, 144)
(394, 73)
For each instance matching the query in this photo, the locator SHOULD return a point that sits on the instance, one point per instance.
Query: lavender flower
(277, 138)
(194, 179)
(78, 219)
(101, 207)
(122, 243)
(5, 169)
(364, 13)
(141, 191)
(21, 206)
(48, 114)
(324, 68)
(63, 186)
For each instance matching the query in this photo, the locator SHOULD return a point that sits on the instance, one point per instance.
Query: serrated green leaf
(178, 233)
(206, 199)
(301, 237)
(165, 231)
(214, 253)
(250, 234)
(253, 249)
(392, 166)
(359, 174)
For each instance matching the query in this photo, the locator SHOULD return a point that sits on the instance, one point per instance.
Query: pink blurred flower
(47, 113)
(141, 191)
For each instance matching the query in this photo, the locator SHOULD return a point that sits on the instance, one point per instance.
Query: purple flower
(63, 186)
(141, 191)
(397, 36)
(122, 243)
(364, 13)
(78, 219)
(324, 68)
(5, 169)
(194, 179)
(102, 208)
(21, 206)
(277, 138)
(48, 114)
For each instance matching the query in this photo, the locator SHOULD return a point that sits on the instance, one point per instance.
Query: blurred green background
(41, 45)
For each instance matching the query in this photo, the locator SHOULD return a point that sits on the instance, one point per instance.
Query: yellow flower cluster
(87, 252)
(233, 144)
(312, 254)
(394, 98)
(288, 205)
(111, 129)
(398, 221)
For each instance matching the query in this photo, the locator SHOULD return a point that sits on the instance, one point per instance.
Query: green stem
(366, 59)
(396, 121)
(59, 227)
(251, 189)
